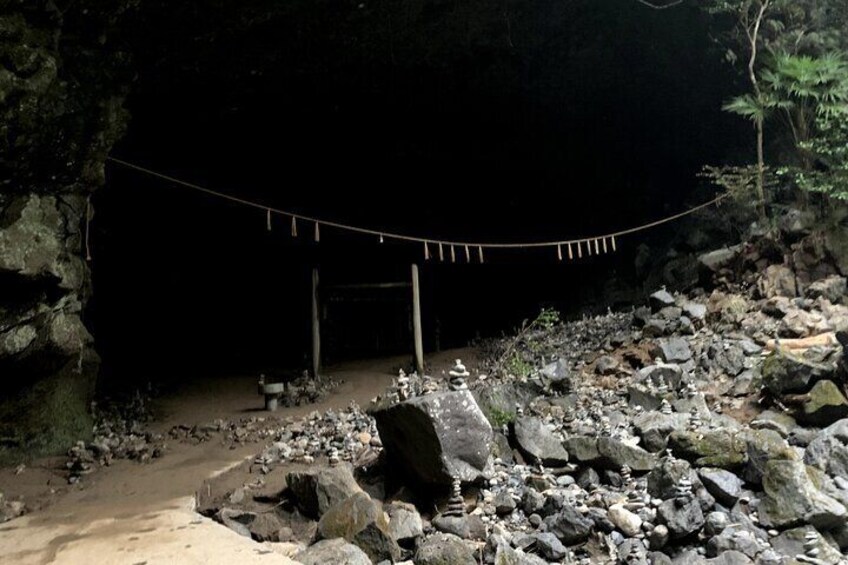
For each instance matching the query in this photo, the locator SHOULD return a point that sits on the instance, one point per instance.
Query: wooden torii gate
(418, 341)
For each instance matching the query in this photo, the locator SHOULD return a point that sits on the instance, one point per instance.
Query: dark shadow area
(478, 120)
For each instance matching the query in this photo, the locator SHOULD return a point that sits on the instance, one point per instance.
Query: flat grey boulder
(538, 443)
(336, 551)
(444, 549)
(723, 485)
(436, 437)
(609, 453)
(786, 373)
(825, 404)
(674, 350)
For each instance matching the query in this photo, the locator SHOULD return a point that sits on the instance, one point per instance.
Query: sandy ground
(131, 513)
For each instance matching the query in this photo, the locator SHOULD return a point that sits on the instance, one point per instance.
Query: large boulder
(609, 453)
(436, 437)
(784, 372)
(360, 520)
(316, 490)
(793, 497)
(825, 404)
(336, 551)
(762, 446)
(444, 549)
(724, 449)
(538, 443)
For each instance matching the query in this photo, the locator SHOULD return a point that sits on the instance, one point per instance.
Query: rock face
(60, 110)
(436, 437)
(538, 442)
(317, 490)
(361, 520)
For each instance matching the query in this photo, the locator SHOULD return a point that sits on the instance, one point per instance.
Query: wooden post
(416, 321)
(316, 326)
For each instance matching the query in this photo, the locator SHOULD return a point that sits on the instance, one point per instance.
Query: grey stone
(674, 350)
(508, 556)
(557, 376)
(778, 421)
(792, 497)
(404, 522)
(444, 549)
(682, 517)
(655, 427)
(360, 520)
(538, 442)
(833, 288)
(662, 481)
(736, 538)
(549, 546)
(570, 526)
(336, 551)
(436, 437)
(504, 503)
(661, 299)
(720, 258)
(828, 451)
(532, 501)
(317, 489)
(609, 453)
(761, 446)
(725, 487)
(730, 557)
(695, 311)
(669, 373)
(588, 479)
(715, 523)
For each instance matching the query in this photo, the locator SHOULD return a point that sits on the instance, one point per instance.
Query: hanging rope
(295, 217)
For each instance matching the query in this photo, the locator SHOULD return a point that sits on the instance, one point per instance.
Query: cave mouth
(446, 120)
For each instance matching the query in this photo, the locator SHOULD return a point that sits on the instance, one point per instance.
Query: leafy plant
(499, 418)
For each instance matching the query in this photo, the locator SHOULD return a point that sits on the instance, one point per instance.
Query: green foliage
(499, 418)
(740, 182)
(829, 149)
(517, 366)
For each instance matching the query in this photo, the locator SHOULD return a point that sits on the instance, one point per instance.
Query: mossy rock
(826, 404)
(720, 448)
(783, 373)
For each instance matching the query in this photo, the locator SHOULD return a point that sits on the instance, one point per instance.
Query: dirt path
(132, 514)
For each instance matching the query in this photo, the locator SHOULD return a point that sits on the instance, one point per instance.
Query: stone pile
(679, 433)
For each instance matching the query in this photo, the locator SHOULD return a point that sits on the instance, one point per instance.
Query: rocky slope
(706, 427)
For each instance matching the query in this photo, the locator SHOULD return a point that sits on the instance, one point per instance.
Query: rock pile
(636, 438)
